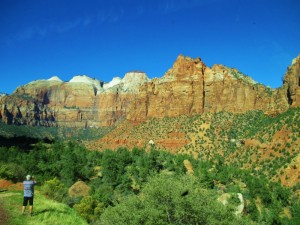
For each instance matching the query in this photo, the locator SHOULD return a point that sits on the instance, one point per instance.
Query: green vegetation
(227, 154)
(46, 211)
(185, 203)
(152, 187)
(52, 133)
(272, 141)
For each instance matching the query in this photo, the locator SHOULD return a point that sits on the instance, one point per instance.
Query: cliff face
(81, 102)
(292, 83)
(227, 89)
(179, 92)
(188, 88)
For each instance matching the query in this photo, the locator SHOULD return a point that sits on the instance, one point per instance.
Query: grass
(45, 211)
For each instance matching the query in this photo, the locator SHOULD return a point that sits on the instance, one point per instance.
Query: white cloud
(67, 26)
(42, 31)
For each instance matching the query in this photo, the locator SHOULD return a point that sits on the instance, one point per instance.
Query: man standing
(28, 193)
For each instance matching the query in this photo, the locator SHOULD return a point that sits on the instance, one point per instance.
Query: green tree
(89, 208)
(171, 200)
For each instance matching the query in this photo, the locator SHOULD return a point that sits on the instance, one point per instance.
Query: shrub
(89, 208)
(11, 171)
(54, 189)
(185, 203)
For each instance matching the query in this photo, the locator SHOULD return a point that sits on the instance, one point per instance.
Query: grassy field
(45, 211)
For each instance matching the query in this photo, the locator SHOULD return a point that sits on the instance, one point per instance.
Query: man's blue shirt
(28, 188)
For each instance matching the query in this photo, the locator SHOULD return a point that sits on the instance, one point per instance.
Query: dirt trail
(3, 214)
(4, 186)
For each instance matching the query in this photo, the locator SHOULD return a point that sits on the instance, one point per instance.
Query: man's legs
(25, 201)
(30, 205)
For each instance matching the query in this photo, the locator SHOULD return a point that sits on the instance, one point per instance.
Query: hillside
(264, 144)
(132, 186)
(46, 211)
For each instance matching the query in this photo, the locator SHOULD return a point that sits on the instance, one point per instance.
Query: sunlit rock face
(188, 88)
(81, 102)
(228, 89)
(178, 92)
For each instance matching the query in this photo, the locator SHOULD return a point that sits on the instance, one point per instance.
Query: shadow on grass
(39, 212)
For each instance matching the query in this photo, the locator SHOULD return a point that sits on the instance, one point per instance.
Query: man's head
(28, 177)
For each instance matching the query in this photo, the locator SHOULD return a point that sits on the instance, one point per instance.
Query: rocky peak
(115, 81)
(55, 78)
(188, 88)
(136, 77)
(133, 80)
(87, 80)
(130, 83)
(296, 60)
(292, 82)
(2, 94)
(236, 74)
(185, 68)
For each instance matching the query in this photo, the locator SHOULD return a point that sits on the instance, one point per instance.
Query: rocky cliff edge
(188, 88)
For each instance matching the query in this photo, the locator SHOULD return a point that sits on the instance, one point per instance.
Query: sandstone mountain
(188, 88)
(2, 94)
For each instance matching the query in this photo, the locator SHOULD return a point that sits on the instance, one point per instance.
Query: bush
(11, 171)
(185, 203)
(54, 189)
(295, 210)
(6, 172)
(89, 208)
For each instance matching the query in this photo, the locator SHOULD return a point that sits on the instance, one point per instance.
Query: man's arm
(35, 182)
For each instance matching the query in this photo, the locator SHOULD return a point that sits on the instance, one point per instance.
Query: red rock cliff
(188, 88)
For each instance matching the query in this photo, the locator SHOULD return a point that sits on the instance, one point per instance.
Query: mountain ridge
(188, 88)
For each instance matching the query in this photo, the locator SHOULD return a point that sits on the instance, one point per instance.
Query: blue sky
(107, 38)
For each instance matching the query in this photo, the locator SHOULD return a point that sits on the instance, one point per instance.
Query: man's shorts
(26, 200)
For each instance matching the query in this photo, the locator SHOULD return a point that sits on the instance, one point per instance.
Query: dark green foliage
(150, 184)
(67, 162)
(89, 208)
(54, 189)
(160, 204)
(11, 171)
(27, 135)
(114, 166)
(295, 210)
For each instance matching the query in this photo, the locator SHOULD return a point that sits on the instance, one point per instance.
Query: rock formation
(79, 189)
(292, 82)
(188, 88)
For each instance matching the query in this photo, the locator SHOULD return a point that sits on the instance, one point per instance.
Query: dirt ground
(3, 215)
(7, 185)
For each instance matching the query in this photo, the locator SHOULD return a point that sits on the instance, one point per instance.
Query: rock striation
(188, 88)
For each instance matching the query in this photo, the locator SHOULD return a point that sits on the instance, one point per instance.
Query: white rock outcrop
(55, 78)
(133, 80)
(115, 81)
(87, 80)
(130, 83)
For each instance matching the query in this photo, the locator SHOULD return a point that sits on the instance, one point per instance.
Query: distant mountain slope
(265, 145)
(188, 88)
